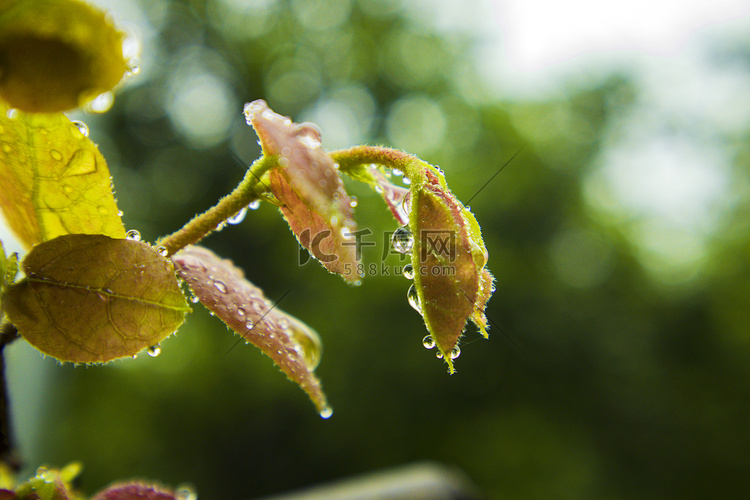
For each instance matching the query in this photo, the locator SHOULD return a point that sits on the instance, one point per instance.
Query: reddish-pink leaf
(309, 188)
(132, 491)
(224, 290)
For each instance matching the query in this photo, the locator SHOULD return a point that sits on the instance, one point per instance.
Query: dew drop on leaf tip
(133, 234)
(326, 412)
(428, 342)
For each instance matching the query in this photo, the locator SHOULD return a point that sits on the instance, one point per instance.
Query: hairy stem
(8, 334)
(351, 158)
(201, 225)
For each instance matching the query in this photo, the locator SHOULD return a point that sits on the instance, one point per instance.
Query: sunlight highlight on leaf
(92, 299)
(224, 290)
(53, 180)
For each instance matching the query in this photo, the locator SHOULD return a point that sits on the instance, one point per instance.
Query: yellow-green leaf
(451, 283)
(223, 289)
(91, 298)
(56, 55)
(53, 180)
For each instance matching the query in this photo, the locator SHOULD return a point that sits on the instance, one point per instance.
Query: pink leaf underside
(224, 290)
(313, 198)
(130, 491)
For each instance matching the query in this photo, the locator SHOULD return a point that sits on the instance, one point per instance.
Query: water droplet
(240, 311)
(238, 217)
(405, 180)
(133, 234)
(308, 134)
(162, 251)
(194, 299)
(428, 342)
(134, 66)
(185, 492)
(406, 203)
(55, 154)
(154, 350)
(82, 127)
(439, 355)
(308, 340)
(41, 472)
(397, 172)
(120, 213)
(101, 103)
(220, 286)
(12, 113)
(413, 298)
(326, 412)
(402, 240)
(353, 201)
(456, 352)
(254, 205)
(408, 272)
(249, 325)
(378, 189)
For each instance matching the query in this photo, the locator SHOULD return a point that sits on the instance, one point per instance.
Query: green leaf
(50, 484)
(223, 289)
(450, 280)
(92, 298)
(53, 180)
(56, 55)
(309, 188)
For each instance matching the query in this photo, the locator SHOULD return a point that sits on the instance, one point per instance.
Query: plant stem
(8, 334)
(350, 158)
(201, 225)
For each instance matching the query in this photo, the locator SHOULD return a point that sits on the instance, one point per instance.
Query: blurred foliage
(602, 383)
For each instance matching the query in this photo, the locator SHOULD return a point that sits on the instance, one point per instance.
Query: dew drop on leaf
(238, 217)
(413, 297)
(82, 127)
(428, 342)
(353, 201)
(456, 352)
(220, 286)
(185, 492)
(402, 240)
(408, 272)
(154, 350)
(161, 250)
(254, 205)
(326, 412)
(133, 234)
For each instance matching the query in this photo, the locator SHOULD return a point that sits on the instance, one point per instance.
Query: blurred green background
(624, 366)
